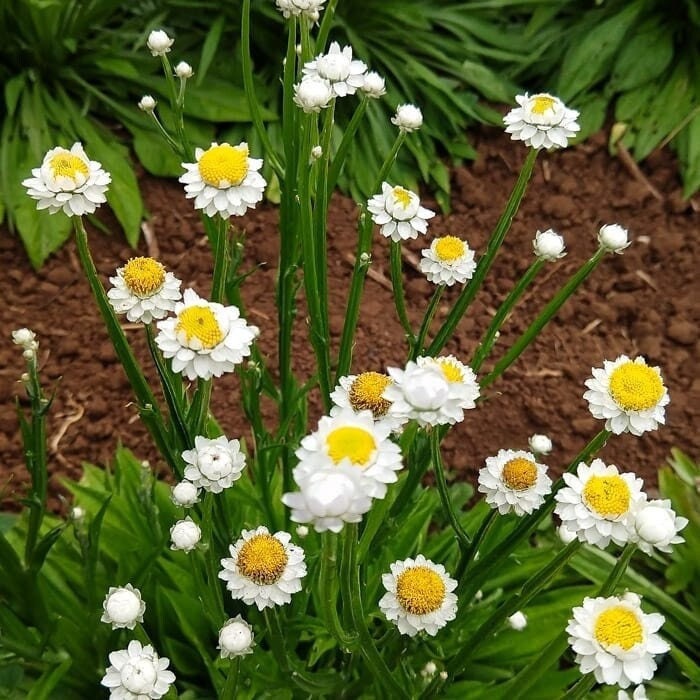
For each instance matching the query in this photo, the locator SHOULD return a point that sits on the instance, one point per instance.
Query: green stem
(346, 142)
(328, 587)
(581, 688)
(417, 463)
(397, 287)
(221, 255)
(326, 23)
(231, 685)
(176, 105)
(427, 320)
(497, 237)
(211, 559)
(468, 555)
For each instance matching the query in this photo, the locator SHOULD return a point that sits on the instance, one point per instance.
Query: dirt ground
(641, 302)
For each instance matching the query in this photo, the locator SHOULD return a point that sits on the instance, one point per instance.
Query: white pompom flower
(147, 103)
(185, 494)
(159, 42)
(616, 640)
(399, 213)
(628, 394)
(123, 607)
(374, 85)
(204, 339)
(263, 569)
(549, 245)
(656, 526)
(541, 121)
(514, 482)
(185, 535)
(143, 290)
(419, 596)
(235, 638)
(408, 118)
(296, 8)
(224, 180)
(214, 465)
(345, 74)
(137, 673)
(614, 238)
(598, 503)
(449, 260)
(313, 94)
(183, 70)
(540, 444)
(68, 181)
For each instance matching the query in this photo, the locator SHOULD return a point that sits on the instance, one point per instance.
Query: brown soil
(642, 302)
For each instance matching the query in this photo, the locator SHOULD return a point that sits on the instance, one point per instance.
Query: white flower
(540, 444)
(235, 638)
(338, 67)
(616, 640)
(419, 596)
(541, 121)
(399, 213)
(408, 118)
(365, 392)
(628, 394)
(224, 180)
(302, 531)
(204, 339)
(183, 70)
(123, 607)
(656, 526)
(147, 103)
(159, 42)
(214, 464)
(518, 621)
(185, 494)
(295, 8)
(429, 670)
(598, 503)
(77, 514)
(137, 673)
(514, 482)
(68, 181)
(356, 441)
(549, 245)
(144, 291)
(565, 535)
(448, 260)
(24, 337)
(613, 238)
(328, 498)
(432, 391)
(316, 152)
(185, 535)
(639, 694)
(313, 94)
(263, 569)
(373, 85)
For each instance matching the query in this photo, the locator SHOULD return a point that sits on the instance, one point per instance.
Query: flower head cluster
(68, 181)
(137, 673)
(224, 180)
(542, 121)
(449, 260)
(123, 607)
(344, 74)
(214, 465)
(399, 213)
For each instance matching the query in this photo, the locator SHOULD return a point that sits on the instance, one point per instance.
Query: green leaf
(643, 58)
(13, 90)
(154, 154)
(489, 83)
(219, 101)
(41, 232)
(42, 689)
(209, 48)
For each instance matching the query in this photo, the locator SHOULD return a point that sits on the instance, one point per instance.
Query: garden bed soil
(641, 302)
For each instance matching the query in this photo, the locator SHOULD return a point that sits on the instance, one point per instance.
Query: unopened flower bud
(316, 152)
(302, 531)
(518, 621)
(613, 238)
(123, 607)
(408, 118)
(159, 42)
(540, 444)
(185, 535)
(235, 638)
(185, 494)
(373, 85)
(548, 245)
(23, 337)
(147, 103)
(429, 670)
(28, 354)
(183, 70)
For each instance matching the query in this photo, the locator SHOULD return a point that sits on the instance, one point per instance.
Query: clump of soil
(641, 302)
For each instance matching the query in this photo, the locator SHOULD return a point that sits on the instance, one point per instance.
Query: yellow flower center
(449, 248)
(402, 195)
(355, 444)
(262, 559)
(366, 391)
(519, 473)
(420, 590)
(618, 627)
(143, 276)
(541, 103)
(66, 164)
(609, 496)
(199, 322)
(635, 387)
(451, 371)
(224, 165)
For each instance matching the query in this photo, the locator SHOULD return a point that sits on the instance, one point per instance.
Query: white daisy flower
(224, 180)
(144, 291)
(628, 394)
(159, 42)
(541, 121)
(354, 440)
(408, 118)
(639, 694)
(549, 245)
(338, 67)
(185, 494)
(432, 391)
(328, 498)
(656, 526)
(313, 94)
(204, 339)
(399, 213)
(374, 85)
(263, 569)
(540, 444)
(419, 596)
(616, 640)
(514, 482)
(185, 535)
(214, 464)
(123, 607)
(365, 392)
(448, 260)
(68, 181)
(598, 503)
(137, 673)
(235, 638)
(566, 535)
(614, 238)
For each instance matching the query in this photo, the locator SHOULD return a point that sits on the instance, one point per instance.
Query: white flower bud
(23, 337)
(159, 42)
(185, 494)
(24, 378)
(235, 638)
(518, 621)
(147, 103)
(429, 670)
(479, 595)
(316, 152)
(656, 526)
(443, 675)
(183, 70)
(185, 535)
(548, 245)
(302, 531)
(28, 354)
(373, 85)
(77, 513)
(408, 118)
(313, 94)
(639, 694)
(123, 607)
(613, 238)
(365, 258)
(540, 444)
(565, 535)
